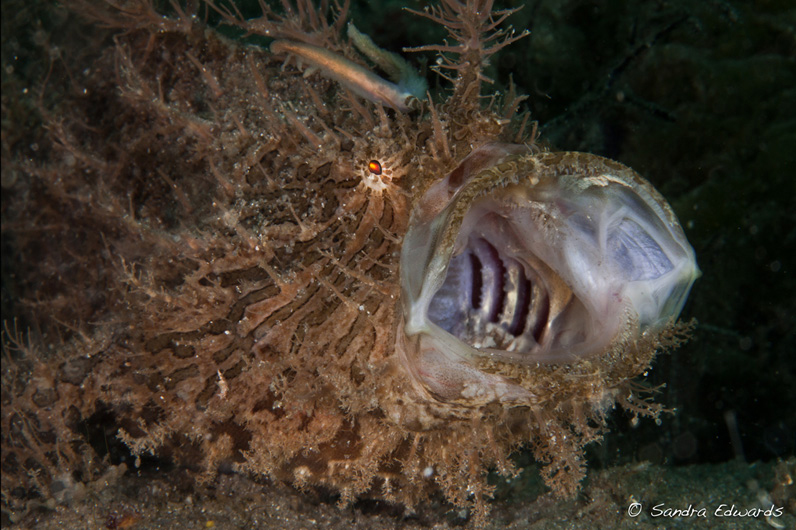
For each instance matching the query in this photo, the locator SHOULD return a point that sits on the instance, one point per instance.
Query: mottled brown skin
(206, 266)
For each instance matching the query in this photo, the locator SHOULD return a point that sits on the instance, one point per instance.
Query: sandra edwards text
(722, 510)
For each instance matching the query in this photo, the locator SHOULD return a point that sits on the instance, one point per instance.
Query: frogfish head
(517, 260)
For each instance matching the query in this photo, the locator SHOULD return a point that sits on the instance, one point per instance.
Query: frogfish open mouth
(516, 259)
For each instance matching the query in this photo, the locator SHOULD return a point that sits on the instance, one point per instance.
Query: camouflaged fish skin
(214, 276)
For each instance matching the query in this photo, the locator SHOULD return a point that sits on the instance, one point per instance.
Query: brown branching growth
(135, 14)
(302, 21)
(476, 34)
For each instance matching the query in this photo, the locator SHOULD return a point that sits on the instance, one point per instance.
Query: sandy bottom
(152, 500)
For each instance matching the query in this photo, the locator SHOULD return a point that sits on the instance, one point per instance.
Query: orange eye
(374, 167)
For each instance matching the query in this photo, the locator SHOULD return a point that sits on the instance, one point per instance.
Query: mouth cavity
(490, 300)
(501, 295)
(521, 260)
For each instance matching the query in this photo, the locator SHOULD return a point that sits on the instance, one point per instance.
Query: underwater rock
(221, 278)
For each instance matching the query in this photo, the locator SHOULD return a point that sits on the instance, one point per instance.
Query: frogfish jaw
(517, 261)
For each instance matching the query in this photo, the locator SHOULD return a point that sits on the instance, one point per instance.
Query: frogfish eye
(516, 259)
(374, 166)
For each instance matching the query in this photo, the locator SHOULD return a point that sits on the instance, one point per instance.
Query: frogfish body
(215, 276)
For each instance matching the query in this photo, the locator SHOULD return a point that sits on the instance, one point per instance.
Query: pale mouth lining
(553, 272)
(489, 296)
(491, 300)
(516, 290)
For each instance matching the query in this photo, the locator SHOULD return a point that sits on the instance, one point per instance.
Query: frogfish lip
(522, 258)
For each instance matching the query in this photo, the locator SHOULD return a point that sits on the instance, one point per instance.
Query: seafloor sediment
(731, 495)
